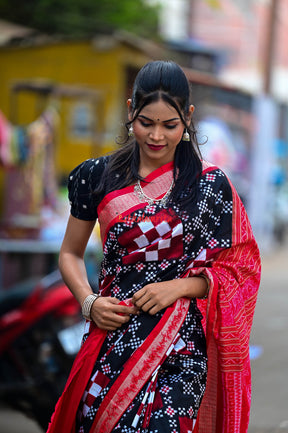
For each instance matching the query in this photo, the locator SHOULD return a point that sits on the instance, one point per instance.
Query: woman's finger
(147, 306)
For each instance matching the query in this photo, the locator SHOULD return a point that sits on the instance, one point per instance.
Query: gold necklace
(143, 197)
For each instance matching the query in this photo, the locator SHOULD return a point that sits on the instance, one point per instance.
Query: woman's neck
(146, 168)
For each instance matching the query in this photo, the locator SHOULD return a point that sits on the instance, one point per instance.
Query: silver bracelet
(87, 305)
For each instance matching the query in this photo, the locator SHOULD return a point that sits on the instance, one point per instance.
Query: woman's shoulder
(213, 172)
(215, 177)
(89, 168)
(82, 182)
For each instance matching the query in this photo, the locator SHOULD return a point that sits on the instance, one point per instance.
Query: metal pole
(269, 47)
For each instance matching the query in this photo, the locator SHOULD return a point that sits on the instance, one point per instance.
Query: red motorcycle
(41, 328)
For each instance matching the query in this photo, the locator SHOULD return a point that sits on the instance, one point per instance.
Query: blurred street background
(66, 70)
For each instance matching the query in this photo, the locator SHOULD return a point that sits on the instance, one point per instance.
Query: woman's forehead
(159, 111)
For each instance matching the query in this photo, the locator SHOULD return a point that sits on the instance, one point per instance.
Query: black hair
(157, 80)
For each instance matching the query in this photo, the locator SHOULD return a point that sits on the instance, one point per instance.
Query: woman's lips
(155, 146)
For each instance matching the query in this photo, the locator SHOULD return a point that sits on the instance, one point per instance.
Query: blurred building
(85, 80)
(61, 101)
(245, 116)
(241, 31)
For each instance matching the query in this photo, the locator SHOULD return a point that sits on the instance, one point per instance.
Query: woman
(178, 281)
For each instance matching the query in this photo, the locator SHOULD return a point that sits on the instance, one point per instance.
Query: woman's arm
(71, 258)
(105, 311)
(156, 296)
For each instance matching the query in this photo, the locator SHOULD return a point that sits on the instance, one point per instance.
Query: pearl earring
(186, 136)
(131, 132)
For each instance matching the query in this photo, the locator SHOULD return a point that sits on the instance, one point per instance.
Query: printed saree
(150, 375)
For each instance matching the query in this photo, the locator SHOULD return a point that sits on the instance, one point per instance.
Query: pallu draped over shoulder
(151, 375)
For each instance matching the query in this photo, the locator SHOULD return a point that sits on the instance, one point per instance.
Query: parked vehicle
(41, 328)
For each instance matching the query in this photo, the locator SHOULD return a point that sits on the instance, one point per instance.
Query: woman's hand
(109, 315)
(156, 296)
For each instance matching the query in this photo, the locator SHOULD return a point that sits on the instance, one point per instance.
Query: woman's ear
(191, 111)
(129, 109)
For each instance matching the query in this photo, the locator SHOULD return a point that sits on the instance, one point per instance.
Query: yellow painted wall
(85, 63)
(99, 64)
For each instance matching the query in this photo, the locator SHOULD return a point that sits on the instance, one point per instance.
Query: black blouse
(82, 183)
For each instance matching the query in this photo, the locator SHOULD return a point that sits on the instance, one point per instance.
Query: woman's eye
(145, 124)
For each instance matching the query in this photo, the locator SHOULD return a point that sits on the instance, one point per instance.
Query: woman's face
(158, 129)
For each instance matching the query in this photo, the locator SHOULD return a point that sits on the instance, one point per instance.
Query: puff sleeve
(82, 182)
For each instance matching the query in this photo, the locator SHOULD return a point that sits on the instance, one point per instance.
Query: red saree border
(139, 368)
(152, 176)
(211, 404)
(118, 217)
(121, 202)
(64, 416)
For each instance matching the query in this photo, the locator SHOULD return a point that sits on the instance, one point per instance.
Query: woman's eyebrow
(164, 121)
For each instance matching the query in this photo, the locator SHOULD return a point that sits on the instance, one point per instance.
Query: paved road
(269, 350)
(269, 411)
(15, 422)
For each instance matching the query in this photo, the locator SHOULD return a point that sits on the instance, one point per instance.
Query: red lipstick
(155, 147)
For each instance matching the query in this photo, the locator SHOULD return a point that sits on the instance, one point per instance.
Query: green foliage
(82, 17)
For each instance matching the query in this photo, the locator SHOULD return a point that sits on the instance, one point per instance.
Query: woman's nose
(157, 133)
